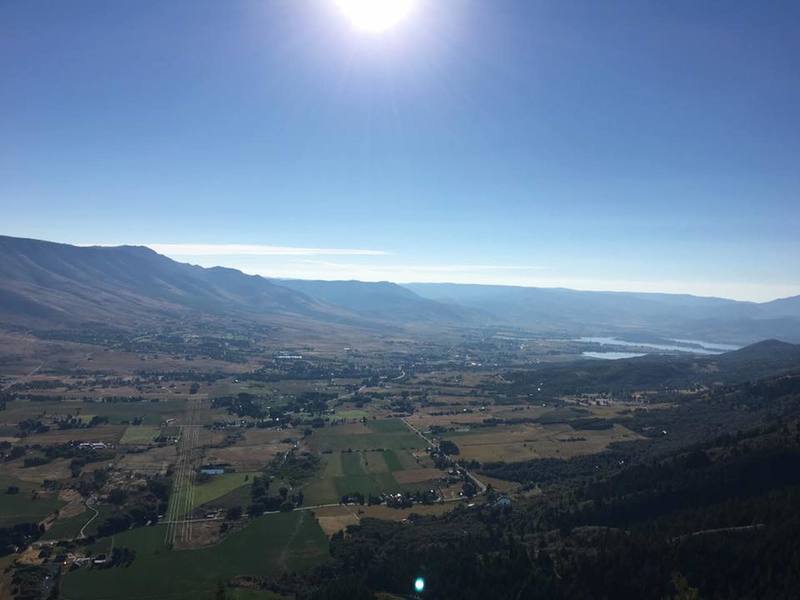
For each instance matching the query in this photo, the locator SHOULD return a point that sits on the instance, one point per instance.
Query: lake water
(709, 345)
(611, 355)
(689, 346)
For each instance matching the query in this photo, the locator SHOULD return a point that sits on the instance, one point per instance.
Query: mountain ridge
(44, 283)
(50, 284)
(670, 315)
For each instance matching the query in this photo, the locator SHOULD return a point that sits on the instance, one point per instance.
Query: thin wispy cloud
(434, 268)
(257, 250)
(306, 268)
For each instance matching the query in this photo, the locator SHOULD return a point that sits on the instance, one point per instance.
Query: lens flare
(375, 16)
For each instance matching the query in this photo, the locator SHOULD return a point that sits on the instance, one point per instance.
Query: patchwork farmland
(188, 474)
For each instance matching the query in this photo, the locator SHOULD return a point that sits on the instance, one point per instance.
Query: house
(503, 502)
(92, 445)
(212, 471)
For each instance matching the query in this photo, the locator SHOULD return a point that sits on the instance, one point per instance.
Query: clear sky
(598, 145)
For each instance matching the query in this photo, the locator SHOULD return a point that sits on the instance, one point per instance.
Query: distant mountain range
(46, 285)
(380, 301)
(559, 310)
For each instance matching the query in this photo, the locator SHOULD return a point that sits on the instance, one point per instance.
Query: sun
(375, 16)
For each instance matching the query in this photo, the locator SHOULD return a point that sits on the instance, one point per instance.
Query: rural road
(478, 482)
(299, 508)
(82, 533)
(23, 377)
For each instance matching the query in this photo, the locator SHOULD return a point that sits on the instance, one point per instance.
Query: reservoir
(680, 345)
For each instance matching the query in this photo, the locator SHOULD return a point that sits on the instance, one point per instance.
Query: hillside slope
(379, 300)
(47, 285)
(44, 284)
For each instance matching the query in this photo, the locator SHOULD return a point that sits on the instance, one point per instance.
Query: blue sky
(597, 145)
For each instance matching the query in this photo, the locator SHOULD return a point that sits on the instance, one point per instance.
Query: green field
(350, 414)
(70, 528)
(363, 460)
(389, 426)
(365, 472)
(398, 461)
(139, 434)
(152, 413)
(323, 489)
(118, 413)
(218, 486)
(356, 476)
(268, 546)
(19, 410)
(238, 497)
(21, 507)
(388, 434)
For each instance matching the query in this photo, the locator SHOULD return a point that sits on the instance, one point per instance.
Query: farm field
(333, 438)
(151, 461)
(30, 504)
(219, 486)
(336, 518)
(372, 458)
(454, 415)
(253, 451)
(139, 434)
(118, 413)
(532, 440)
(151, 413)
(109, 434)
(351, 414)
(389, 434)
(53, 470)
(70, 527)
(287, 541)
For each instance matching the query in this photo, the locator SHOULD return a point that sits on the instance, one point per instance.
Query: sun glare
(375, 16)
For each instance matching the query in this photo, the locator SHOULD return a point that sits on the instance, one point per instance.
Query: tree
(259, 488)
(448, 447)
(344, 588)
(118, 496)
(491, 494)
(683, 591)
(469, 489)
